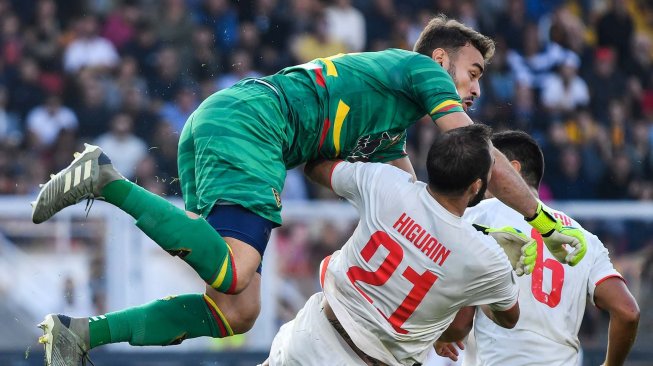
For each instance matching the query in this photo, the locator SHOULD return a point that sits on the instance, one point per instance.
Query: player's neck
(456, 205)
(535, 192)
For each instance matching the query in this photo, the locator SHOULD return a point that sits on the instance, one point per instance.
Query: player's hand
(447, 349)
(520, 249)
(556, 235)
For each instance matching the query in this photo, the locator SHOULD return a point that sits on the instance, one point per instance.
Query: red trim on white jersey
(608, 277)
(323, 267)
(331, 173)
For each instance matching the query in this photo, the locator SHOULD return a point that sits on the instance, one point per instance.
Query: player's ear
(516, 165)
(475, 187)
(440, 56)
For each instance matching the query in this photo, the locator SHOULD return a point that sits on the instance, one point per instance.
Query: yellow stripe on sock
(217, 311)
(223, 270)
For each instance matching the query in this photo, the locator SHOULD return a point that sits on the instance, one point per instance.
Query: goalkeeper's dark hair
(451, 36)
(457, 158)
(520, 146)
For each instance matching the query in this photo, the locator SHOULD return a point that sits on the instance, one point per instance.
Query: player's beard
(452, 72)
(480, 195)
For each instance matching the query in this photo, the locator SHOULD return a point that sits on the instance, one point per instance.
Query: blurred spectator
(617, 180)
(223, 19)
(127, 78)
(499, 88)
(92, 109)
(10, 132)
(42, 38)
(640, 71)
(615, 30)
(511, 25)
(125, 149)
(168, 78)
(119, 27)
(379, 21)
(204, 61)
(316, 43)
(11, 40)
(240, 68)
(144, 49)
(45, 122)
(89, 49)
(564, 91)
(273, 25)
(174, 25)
(177, 112)
(538, 60)
(641, 150)
(569, 183)
(604, 73)
(26, 90)
(136, 104)
(346, 24)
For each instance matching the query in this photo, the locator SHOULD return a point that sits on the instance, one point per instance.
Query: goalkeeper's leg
(163, 322)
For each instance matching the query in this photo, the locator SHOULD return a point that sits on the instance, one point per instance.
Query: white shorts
(310, 339)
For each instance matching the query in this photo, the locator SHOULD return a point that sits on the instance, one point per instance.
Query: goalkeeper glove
(555, 236)
(520, 249)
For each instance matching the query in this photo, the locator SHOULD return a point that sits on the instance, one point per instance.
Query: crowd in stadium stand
(126, 74)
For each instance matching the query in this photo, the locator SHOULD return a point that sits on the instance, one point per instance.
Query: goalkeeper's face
(466, 68)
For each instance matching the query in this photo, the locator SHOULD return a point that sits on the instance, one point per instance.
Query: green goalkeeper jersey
(358, 106)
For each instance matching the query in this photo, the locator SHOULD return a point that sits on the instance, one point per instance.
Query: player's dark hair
(451, 35)
(458, 158)
(518, 145)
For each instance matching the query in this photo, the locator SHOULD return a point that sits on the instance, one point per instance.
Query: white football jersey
(552, 299)
(409, 266)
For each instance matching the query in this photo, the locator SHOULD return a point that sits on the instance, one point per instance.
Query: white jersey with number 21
(552, 299)
(410, 265)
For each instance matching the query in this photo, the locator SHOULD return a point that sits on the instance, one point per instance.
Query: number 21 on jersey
(422, 283)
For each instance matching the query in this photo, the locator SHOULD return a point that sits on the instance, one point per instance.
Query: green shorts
(231, 151)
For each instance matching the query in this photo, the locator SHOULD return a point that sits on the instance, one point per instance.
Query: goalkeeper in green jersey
(233, 155)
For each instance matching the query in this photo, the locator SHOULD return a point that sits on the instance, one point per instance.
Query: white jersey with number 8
(552, 299)
(410, 265)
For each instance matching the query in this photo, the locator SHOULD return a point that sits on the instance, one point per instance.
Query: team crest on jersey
(367, 145)
(277, 197)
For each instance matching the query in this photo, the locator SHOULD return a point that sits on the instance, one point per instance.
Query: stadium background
(577, 75)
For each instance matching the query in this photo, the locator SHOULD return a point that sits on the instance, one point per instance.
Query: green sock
(193, 240)
(162, 322)
(98, 330)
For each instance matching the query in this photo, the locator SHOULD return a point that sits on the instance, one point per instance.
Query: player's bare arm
(505, 184)
(460, 326)
(613, 296)
(319, 171)
(505, 319)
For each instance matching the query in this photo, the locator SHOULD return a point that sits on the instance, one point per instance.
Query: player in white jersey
(409, 266)
(553, 298)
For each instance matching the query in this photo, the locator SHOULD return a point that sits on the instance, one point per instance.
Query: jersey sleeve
(602, 267)
(495, 284)
(355, 181)
(432, 87)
